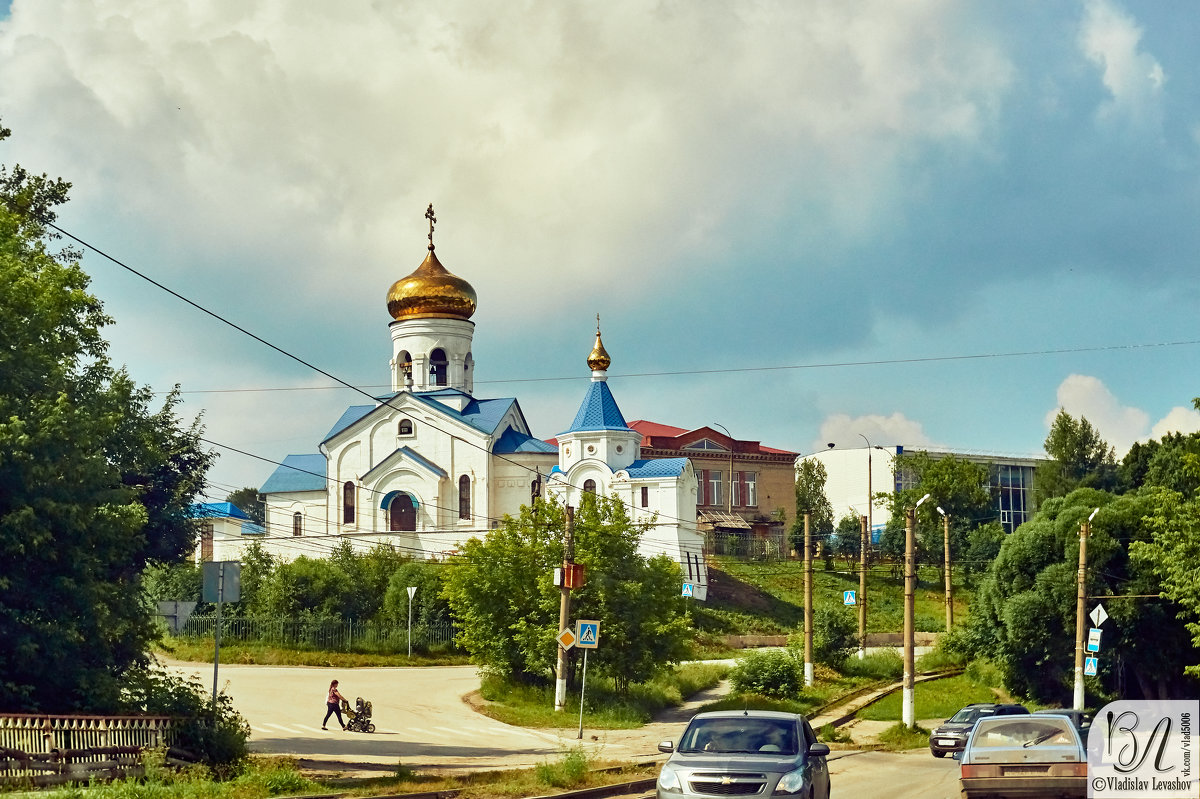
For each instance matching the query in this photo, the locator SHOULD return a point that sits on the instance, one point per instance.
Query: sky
(923, 223)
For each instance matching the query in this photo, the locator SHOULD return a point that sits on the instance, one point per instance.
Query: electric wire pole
(564, 612)
(808, 600)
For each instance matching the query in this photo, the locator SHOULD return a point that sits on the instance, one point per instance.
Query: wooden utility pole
(1081, 610)
(808, 600)
(564, 612)
(949, 585)
(862, 591)
(908, 713)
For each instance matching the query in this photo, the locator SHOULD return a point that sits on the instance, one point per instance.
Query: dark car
(952, 736)
(757, 753)
(1080, 718)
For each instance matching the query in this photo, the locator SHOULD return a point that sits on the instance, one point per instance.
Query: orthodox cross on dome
(432, 221)
(597, 324)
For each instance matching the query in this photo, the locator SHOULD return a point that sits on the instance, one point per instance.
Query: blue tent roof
(400, 455)
(484, 415)
(217, 510)
(297, 473)
(352, 415)
(598, 411)
(657, 467)
(512, 442)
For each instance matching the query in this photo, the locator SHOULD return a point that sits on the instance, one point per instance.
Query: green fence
(325, 635)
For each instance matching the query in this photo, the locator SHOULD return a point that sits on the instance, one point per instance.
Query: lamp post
(908, 716)
(731, 442)
(1080, 609)
(862, 562)
(949, 589)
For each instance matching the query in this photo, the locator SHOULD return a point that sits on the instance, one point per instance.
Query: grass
(828, 686)
(767, 598)
(200, 650)
(604, 708)
(898, 738)
(933, 699)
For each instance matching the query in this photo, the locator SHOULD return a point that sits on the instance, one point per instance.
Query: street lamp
(908, 716)
(731, 442)
(949, 590)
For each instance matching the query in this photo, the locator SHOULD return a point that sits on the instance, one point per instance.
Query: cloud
(1179, 420)
(1134, 79)
(1119, 425)
(886, 431)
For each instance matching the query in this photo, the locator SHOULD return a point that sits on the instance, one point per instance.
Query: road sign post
(222, 583)
(587, 632)
(412, 589)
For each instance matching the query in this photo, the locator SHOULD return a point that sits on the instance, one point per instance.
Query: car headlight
(668, 780)
(792, 782)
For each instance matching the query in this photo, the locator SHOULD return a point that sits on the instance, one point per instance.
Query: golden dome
(598, 360)
(431, 291)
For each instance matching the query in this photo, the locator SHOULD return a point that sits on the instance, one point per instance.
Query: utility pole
(908, 715)
(862, 591)
(808, 600)
(564, 612)
(949, 588)
(1080, 609)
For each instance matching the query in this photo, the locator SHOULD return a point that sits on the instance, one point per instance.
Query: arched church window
(405, 362)
(589, 486)
(348, 503)
(402, 514)
(438, 367)
(297, 523)
(406, 427)
(464, 497)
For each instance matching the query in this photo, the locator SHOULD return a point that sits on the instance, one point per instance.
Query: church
(429, 465)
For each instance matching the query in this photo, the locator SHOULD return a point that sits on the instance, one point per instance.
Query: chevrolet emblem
(726, 780)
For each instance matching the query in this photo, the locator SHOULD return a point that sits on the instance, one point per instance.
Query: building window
(297, 523)
(348, 503)
(708, 487)
(206, 543)
(402, 514)
(589, 486)
(405, 364)
(464, 497)
(747, 490)
(645, 496)
(438, 367)
(406, 427)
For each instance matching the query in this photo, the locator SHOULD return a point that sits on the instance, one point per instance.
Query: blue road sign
(1090, 665)
(688, 588)
(1093, 642)
(848, 598)
(588, 633)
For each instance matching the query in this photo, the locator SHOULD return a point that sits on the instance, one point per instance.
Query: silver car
(1024, 756)
(757, 753)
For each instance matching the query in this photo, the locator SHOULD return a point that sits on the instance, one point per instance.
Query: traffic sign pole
(564, 614)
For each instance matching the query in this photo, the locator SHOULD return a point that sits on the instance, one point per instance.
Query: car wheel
(936, 753)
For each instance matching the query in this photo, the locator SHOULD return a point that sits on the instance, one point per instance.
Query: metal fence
(323, 634)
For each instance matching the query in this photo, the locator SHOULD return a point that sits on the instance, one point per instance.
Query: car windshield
(965, 716)
(1024, 732)
(740, 735)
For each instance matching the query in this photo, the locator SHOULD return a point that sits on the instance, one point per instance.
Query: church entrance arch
(401, 510)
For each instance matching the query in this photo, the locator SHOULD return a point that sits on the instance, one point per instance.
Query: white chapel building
(429, 465)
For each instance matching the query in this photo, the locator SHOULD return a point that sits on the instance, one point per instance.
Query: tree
(249, 501)
(505, 606)
(1079, 458)
(811, 477)
(97, 484)
(847, 542)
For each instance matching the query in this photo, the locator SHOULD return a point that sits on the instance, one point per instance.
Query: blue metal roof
(352, 415)
(297, 473)
(253, 529)
(657, 467)
(512, 441)
(599, 410)
(217, 510)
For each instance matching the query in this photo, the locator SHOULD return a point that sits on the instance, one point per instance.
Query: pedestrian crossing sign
(1090, 665)
(848, 598)
(588, 633)
(687, 589)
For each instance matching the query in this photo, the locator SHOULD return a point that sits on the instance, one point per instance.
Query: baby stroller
(359, 719)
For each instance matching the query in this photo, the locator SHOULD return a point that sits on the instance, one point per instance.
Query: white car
(1024, 756)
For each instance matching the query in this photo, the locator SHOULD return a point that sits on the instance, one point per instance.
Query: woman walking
(333, 704)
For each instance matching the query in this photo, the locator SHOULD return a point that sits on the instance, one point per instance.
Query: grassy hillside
(767, 597)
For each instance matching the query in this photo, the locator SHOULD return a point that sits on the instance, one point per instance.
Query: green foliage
(885, 664)
(250, 502)
(899, 738)
(933, 699)
(214, 732)
(97, 482)
(835, 634)
(429, 605)
(1079, 458)
(506, 608)
(569, 772)
(831, 734)
(847, 543)
(811, 477)
(775, 673)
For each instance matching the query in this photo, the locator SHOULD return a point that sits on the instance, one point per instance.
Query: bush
(885, 664)
(774, 673)
(984, 672)
(835, 634)
(568, 772)
(216, 734)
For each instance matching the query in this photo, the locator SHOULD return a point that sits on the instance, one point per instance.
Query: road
(423, 723)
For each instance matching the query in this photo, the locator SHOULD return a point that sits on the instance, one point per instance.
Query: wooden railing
(48, 750)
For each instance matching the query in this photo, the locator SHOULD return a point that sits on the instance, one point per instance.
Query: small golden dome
(598, 360)
(431, 291)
